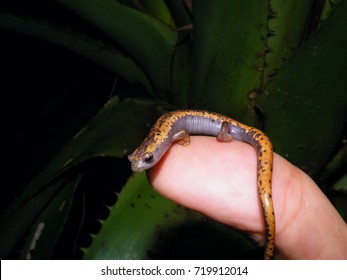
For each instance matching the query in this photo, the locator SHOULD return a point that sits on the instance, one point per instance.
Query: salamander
(176, 126)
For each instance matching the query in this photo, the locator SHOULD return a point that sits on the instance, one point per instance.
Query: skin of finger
(314, 230)
(224, 188)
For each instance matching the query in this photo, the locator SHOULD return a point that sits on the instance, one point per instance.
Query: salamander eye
(148, 158)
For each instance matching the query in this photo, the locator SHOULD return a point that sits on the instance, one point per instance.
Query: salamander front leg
(182, 137)
(224, 134)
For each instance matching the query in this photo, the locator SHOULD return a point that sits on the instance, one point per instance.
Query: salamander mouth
(137, 166)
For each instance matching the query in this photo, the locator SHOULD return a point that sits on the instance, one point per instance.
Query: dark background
(47, 94)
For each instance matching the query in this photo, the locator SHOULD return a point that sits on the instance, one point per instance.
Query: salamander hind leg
(224, 134)
(182, 137)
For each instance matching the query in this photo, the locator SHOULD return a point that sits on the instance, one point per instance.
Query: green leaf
(126, 236)
(114, 132)
(180, 12)
(148, 41)
(13, 227)
(228, 36)
(337, 164)
(286, 34)
(144, 225)
(341, 184)
(96, 51)
(307, 107)
(181, 65)
(46, 228)
(157, 9)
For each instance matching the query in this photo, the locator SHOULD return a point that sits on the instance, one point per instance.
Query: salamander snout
(141, 163)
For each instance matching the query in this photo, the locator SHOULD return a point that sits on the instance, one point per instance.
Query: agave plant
(277, 65)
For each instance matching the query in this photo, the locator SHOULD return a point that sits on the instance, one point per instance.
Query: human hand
(219, 180)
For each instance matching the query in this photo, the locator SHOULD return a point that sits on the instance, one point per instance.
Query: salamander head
(149, 152)
(141, 161)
